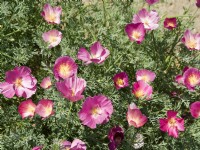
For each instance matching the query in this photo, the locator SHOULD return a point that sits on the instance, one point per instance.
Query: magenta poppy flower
(51, 14)
(172, 124)
(26, 108)
(95, 110)
(145, 75)
(78, 145)
(64, 67)
(37, 148)
(191, 78)
(191, 41)
(151, 2)
(120, 80)
(72, 88)
(135, 32)
(149, 19)
(170, 23)
(142, 89)
(179, 78)
(116, 136)
(18, 81)
(98, 54)
(195, 109)
(135, 117)
(46, 83)
(52, 37)
(198, 3)
(75, 145)
(44, 108)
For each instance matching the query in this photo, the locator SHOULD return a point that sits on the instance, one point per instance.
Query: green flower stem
(104, 11)
(12, 32)
(4, 54)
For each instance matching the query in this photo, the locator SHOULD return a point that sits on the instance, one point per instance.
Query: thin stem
(70, 108)
(8, 56)
(104, 12)
(154, 45)
(12, 33)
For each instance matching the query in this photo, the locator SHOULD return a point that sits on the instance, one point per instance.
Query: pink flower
(44, 108)
(78, 145)
(191, 41)
(37, 148)
(18, 81)
(145, 75)
(26, 108)
(172, 124)
(135, 117)
(51, 14)
(149, 19)
(191, 78)
(135, 32)
(72, 88)
(95, 110)
(195, 109)
(116, 136)
(142, 89)
(64, 67)
(98, 54)
(52, 37)
(75, 145)
(198, 3)
(179, 78)
(151, 2)
(46, 83)
(120, 80)
(170, 23)
(65, 145)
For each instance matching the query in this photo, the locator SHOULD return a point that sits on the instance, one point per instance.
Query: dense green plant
(21, 28)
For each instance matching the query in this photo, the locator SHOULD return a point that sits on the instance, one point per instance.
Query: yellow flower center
(145, 78)
(172, 122)
(136, 35)
(193, 79)
(73, 93)
(64, 70)
(48, 110)
(52, 39)
(171, 24)
(51, 17)
(119, 82)
(18, 82)
(48, 83)
(146, 22)
(192, 43)
(139, 93)
(96, 111)
(31, 109)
